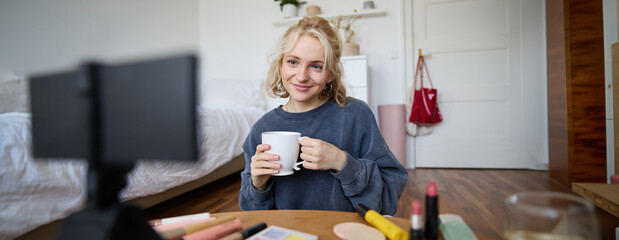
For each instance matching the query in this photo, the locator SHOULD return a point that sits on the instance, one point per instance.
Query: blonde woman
(347, 161)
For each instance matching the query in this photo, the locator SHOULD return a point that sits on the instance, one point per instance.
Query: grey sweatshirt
(372, 174)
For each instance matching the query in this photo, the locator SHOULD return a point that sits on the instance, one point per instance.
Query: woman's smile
(301, 88)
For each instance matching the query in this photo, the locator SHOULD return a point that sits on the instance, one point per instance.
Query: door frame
(610, 37)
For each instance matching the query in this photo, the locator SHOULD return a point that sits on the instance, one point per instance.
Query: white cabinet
(356, 76)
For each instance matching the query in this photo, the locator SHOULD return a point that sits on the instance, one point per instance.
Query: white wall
(38, 36)
(234, 37)
(237, 36)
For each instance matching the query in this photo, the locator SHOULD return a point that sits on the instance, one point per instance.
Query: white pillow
(14, 94)
(224, 93)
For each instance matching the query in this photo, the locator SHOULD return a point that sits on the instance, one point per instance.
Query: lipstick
(432, 221)
(416, 232)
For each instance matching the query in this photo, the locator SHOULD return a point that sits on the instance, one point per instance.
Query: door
(487, 62)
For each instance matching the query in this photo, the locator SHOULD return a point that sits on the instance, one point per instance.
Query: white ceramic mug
(286, 145)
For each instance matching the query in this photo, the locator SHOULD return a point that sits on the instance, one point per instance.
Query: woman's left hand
(321, 155)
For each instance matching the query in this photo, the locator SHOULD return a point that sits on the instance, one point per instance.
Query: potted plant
(289, 7)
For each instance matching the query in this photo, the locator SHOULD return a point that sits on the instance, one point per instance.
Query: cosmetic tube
(392, 231)
(416, 228)
(432, 221)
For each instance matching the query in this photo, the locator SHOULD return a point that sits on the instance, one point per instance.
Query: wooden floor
(476, 195)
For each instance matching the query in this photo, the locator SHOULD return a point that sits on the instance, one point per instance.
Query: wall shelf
(363, 13)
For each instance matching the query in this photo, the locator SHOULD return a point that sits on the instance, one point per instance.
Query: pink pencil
(216, 232)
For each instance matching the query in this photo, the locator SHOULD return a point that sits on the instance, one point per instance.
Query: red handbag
(425, 109)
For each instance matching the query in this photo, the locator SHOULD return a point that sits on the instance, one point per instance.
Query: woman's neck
(298, 107)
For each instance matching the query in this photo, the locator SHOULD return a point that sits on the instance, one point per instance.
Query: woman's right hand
(262, 166)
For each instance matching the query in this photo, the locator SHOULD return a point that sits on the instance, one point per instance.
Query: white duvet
(33, 193)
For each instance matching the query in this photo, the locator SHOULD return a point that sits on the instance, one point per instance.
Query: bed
(34, 194)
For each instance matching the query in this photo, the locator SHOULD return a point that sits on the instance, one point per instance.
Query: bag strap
(421, 64)
(425, 103)
(412, 93)
(418, 71)
(425, 66)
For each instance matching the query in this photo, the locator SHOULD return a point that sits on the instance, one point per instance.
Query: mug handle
(296, 165)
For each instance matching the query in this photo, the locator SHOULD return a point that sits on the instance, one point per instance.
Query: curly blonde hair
(332, 44)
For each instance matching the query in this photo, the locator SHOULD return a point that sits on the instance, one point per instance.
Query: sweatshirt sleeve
(376, 178)
(251, 198)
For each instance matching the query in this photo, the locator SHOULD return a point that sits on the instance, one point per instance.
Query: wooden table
(314, 222)
(605, 196)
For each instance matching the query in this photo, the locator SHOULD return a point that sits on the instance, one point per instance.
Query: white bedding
(33, 193)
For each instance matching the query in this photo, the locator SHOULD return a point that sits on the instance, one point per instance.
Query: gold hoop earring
(280, 87)
(325, 92)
